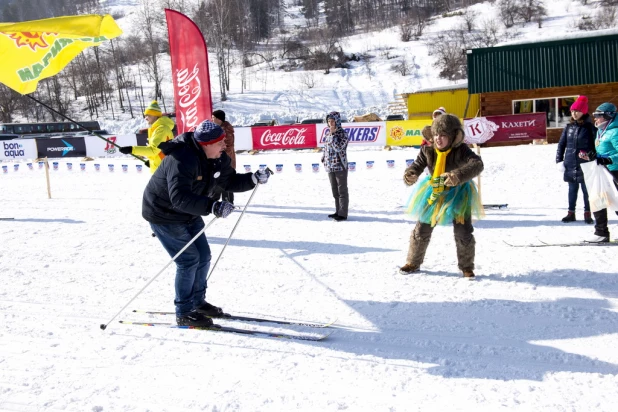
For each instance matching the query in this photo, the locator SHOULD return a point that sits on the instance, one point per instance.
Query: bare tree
(146, 19)
(470, 17)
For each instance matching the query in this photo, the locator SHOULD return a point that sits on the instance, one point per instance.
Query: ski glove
(409, 178)
(126, 149)
(603, 160)
(261, 177)
(222, 209)
(450, 179)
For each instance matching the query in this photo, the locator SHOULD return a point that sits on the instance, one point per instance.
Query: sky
(535, 331)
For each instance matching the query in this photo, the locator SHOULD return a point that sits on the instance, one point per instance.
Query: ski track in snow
(535, 331)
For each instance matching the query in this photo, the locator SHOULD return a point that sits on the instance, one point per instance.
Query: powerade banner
(362, 133)
(527, 126)
(61, 147)
(301, 136)
(18, 149)
(405, 132)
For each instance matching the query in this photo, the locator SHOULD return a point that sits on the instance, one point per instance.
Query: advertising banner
(190, 74)
(242, 138)
(96, 147)
(405, 132)
(61, 147)
(527, 126)
(300, 136)
(362, 133)
(18, 149)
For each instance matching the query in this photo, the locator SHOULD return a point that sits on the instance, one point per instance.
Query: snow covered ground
(537, 330)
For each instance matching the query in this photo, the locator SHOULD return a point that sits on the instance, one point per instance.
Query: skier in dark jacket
(577, 137)
(176, 197)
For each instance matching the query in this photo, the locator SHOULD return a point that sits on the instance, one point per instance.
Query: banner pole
(478, 152)
(47, 178)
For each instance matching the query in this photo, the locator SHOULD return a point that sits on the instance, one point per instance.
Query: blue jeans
(573, 188)
(191, 266)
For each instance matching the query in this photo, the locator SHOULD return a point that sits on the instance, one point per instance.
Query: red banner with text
(528, 126)
(301, 136)
(189, 71)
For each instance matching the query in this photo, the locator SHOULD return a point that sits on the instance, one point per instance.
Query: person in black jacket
(177, 195)
(577, 136)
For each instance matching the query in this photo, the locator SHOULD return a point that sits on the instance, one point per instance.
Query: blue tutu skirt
(454, 204)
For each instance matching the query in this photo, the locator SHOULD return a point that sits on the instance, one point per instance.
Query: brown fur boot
(468, 274)
(408, 268)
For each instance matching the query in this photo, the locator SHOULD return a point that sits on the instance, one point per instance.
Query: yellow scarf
(437, 182)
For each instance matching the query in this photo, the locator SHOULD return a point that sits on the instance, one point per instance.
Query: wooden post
(478, 152)
(47, 177)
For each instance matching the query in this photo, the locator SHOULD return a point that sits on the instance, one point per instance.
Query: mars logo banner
(284, 137)
(527, 126)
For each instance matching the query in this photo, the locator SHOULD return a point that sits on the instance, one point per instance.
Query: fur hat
(208, 133)
(439, 111)
(219, 114)
(448, 125)
(581, 104)
(153, 109)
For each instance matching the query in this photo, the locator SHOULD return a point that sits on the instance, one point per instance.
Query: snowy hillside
(368, 85)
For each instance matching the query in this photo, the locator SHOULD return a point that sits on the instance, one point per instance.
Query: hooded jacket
(159, 132)
(607, 143)
(335, 157)
(576, 136)
(461, 161)
(181, 187)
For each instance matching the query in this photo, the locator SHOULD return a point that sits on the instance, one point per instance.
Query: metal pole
(233, 229)
(104, 325)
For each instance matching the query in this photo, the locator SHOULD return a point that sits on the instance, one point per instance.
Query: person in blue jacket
(606, 145)
(576, 137)
(181, 191)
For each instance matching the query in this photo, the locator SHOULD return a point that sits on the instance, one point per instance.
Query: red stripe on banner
(190, 72)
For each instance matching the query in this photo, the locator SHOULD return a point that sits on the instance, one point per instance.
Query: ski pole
(104, 325)
(234, 228)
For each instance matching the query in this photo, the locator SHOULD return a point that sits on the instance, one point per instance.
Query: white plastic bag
(602, 193)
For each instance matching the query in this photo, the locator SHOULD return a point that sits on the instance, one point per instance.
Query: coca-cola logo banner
(528, 126)
(301, 136)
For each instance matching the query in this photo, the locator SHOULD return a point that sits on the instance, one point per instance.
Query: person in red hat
(577, 137)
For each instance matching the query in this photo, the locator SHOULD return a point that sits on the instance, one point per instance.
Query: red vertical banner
(190, 73)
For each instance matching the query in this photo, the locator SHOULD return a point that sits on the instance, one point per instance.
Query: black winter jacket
(181, 187)
(576, 136)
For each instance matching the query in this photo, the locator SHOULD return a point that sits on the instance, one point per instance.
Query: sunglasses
(598, 114)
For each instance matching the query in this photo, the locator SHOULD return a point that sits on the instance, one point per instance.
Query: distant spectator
(606, 144)
(577, 136)
(335, 160)
(160, 131)
(218, 117)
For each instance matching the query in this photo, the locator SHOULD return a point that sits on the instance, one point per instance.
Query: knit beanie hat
(581, 104)
(439, 111)
(153, 109)
(208, 133)
(219, 114)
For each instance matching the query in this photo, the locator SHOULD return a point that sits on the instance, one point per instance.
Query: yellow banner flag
(34, 50)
